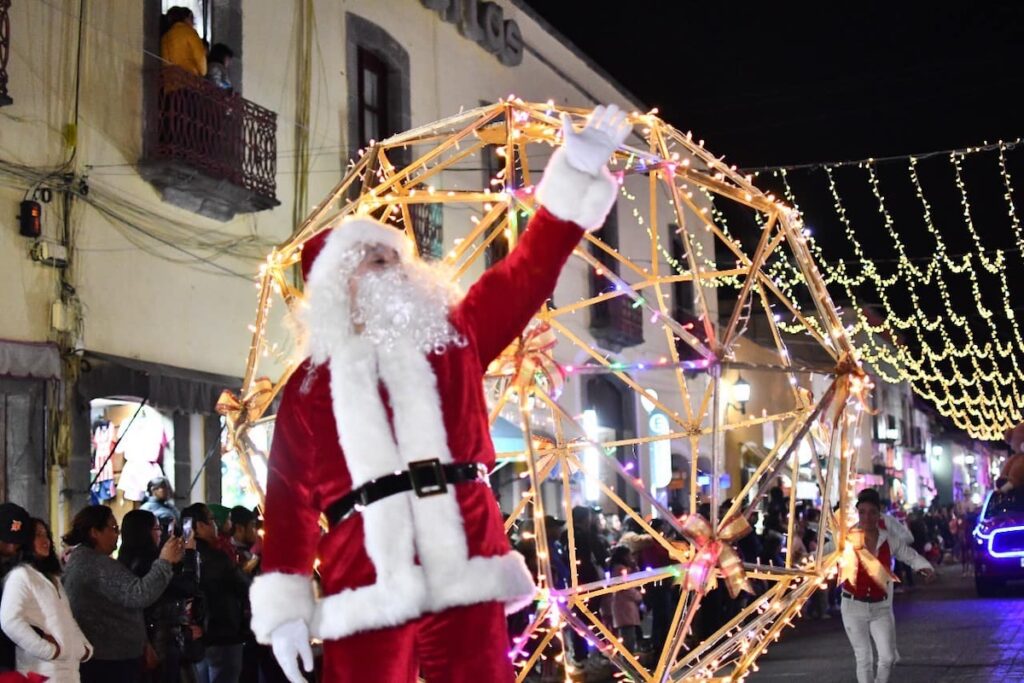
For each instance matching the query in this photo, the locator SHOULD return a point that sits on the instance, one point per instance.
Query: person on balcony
(181, 45)
(217, 66)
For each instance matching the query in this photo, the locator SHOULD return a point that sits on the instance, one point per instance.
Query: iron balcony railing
(218, 133)
(5, 50)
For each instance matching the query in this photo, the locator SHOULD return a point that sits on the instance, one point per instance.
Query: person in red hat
(383, 429)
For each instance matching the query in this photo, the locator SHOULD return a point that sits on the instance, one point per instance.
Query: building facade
(146, 200)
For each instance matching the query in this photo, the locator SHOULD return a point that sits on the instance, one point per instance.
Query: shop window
(131, 444)
(5, 50)
(236, 474)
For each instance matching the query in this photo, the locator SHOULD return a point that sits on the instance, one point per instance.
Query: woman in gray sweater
(107, 599)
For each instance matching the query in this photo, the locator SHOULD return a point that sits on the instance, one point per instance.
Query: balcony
(207, 150)
(5, 50)
(616, 325)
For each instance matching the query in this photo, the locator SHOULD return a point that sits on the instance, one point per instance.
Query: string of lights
(975, 384)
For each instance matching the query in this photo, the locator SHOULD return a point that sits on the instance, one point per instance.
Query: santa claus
(384, 430)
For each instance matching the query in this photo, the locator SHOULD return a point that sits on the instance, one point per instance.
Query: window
(682, 292)
(377, 82)
(491, 165)
(201, 10)
(372, 111)
(498, 248)
(609, 234)
(428, 227)
(615, 323)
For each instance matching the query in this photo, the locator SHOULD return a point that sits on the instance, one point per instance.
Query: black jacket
(165, 511)
(225, 590)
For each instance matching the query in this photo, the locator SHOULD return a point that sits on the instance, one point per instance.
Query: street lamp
(740, 394)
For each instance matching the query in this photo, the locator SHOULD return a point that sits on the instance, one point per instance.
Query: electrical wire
(817, 165)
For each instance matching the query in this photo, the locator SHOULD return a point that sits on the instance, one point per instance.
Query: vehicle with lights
(999, 542)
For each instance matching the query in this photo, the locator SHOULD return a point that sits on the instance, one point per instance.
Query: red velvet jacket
(368, 412)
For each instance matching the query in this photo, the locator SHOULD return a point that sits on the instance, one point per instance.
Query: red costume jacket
(368, 412)
(890, 545)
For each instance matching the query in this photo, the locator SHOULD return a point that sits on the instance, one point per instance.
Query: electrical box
(50, 254)
(30, 219)
(61, 317)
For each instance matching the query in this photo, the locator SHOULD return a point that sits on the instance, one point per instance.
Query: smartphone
(186, 527)
(171, 528)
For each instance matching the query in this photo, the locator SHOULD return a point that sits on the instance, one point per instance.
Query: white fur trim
(419, 427)
(572, 195)
(355, 230)
(400, 528)
(370, 452)
(503, 578)
(278, 598)
(386, 603)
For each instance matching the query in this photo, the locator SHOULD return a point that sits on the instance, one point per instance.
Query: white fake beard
(408, 303)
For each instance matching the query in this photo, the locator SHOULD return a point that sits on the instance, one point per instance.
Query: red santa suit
(408, 583)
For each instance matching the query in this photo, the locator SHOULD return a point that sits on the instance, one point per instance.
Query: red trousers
(459, 645)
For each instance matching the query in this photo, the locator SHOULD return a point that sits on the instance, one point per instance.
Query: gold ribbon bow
(855, 555)
(530, 361)
(248, 409)
(851, 381)
(715, 549)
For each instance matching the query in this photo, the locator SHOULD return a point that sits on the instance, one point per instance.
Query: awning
(29, 360)
(507, 437)
(166, 387)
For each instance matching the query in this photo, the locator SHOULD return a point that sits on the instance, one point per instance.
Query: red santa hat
(349, 234)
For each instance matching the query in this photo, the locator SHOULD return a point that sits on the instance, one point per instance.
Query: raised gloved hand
(588, 150)
(289, 642)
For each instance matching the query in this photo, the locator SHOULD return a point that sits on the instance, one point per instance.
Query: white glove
(589, 149)
(289, 642)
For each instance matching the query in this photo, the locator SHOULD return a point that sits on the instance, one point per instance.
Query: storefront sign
(485, 24)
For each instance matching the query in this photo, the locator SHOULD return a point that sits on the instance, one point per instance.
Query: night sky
(769, 84)
(778, 83)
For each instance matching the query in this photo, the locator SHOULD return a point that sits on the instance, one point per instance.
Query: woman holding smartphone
(166, 618)
(107, 599)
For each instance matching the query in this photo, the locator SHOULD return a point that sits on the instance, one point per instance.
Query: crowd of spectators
(158, 596)
(610, 545)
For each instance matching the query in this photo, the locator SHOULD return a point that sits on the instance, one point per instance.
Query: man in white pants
(867, 599)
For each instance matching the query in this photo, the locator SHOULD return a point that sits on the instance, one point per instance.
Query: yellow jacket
(181, 46)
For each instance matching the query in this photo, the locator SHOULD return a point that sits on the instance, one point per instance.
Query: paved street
(945, 634)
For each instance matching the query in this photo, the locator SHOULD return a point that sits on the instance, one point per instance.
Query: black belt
(851, 596)
(425, 477)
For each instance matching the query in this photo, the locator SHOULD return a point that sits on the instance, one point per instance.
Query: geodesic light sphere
(645, 308)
